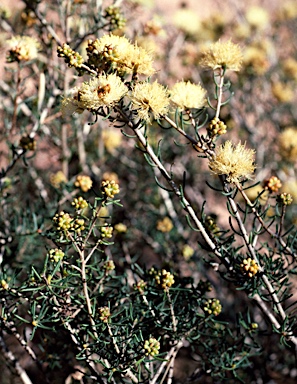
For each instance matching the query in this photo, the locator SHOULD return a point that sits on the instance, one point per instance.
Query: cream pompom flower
(150, 97)
(117, 52)
(222, 55)
(186, 95)
(104, 90)
(22, 48)
(236, 162)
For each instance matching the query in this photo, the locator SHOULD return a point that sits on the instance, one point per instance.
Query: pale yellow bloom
(22, 48)
(83, 182)
(257, 17)
(282, 92)
(236, 162)
(187, 20)
(117, 52)
(288, 144)
(222, 55)
(186, 95)
(164, 225)
(150, 97)
(100, 91)
(56, 179)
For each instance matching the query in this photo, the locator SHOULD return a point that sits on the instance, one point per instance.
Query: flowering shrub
(146, 214)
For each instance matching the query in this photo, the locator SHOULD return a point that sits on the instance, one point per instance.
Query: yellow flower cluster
(164, 225)
(64, 222)
(285, 198)
(28, 143)
(236, 162)
(104, 90)
(56, 255)
(22, 48)
(110, 188)
(186, 95)
(216, 127)
(164, 279)
(249, 267)
(104, 314)
(109, 266)
(117, 53)
(83, 182)
(212, 307)
(225, 55)
(140, 286)
(79, 203)
(288, 144)
(56, 179)
(150, 97)
(152, 347)
(106, 231)
(273, 184)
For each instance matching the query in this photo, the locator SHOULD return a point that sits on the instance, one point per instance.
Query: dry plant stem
(24, 344)
(204, 234)
(15, 101)
(173, 351)
(181, 131)
(13, 360)
(274, 235)
(264, 278)
(174, 322)
(220, 92)
(42, 20)
(76, 342)
(84, 283)
(187, 206)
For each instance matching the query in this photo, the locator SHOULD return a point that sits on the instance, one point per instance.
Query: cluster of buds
(187, 251)
(211, 225)
(140, 286)
(106, 231)
(212, 307)
(110, 188)
(151, 346)
(273, 184)
(71, 57)
(64, 222)
(28, 143)
(56, 255)
(105, 60)
(104, 314)
(164, 225)
(285, 198)
(57, 179)
(108, 266)
(164, 279)
(216, 127)
(249, 267)
(79, 203)
(22, 48)
(204, 286)
(83, 182)
(115, 18)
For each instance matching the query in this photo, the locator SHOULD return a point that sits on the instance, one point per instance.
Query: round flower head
(222, 55)
(236, 162)
(288, 144)
(257, 17)
(100, 91)
(150, 97)
(117, 52)
(186, 95)
(22, 48)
